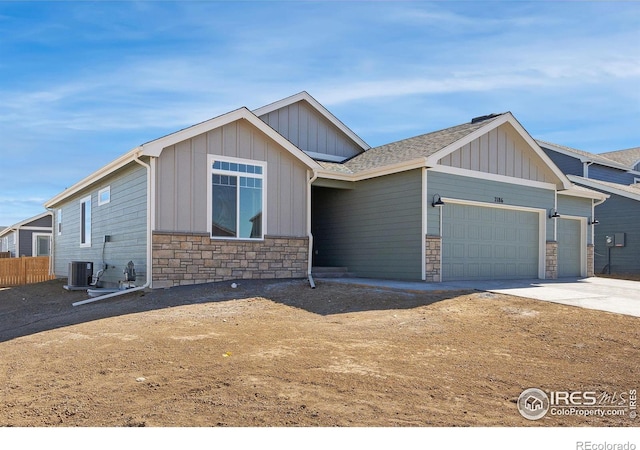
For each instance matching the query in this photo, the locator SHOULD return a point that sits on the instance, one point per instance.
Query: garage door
(569, 238)
(483, 243)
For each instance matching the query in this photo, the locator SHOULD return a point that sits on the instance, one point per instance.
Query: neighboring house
(30, 237)
(629, 157)
(271, 192)
(617, 175)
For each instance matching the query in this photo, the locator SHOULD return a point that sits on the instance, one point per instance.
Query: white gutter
(53, 243)
(585, 168)
(309, 234)
(149, 247)
(16, 241)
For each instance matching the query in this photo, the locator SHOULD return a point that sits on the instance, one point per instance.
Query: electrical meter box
(617, 240)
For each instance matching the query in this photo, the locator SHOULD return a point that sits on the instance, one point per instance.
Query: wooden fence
(24, 270)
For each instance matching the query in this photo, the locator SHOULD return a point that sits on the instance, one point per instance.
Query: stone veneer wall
(590, 260)
(433, 260)
(551, 261)
(185, 258)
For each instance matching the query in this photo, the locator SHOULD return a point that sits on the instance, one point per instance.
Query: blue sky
(81, 82)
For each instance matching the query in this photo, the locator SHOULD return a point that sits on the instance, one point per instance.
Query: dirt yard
(277, 353)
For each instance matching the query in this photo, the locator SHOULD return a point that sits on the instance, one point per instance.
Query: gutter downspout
(54, 232)
(585, 168)
(593, 215)
(309, 234)
(149, 249)
(17, 241)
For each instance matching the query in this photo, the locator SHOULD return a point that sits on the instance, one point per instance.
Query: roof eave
(155, 147)
(118, 163)
(583, 158)
(610, 189)
(18, 225)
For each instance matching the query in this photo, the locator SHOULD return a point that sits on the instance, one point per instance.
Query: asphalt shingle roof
(627, 157)
(407, 149)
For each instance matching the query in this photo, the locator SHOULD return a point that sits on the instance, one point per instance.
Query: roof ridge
(442, 130)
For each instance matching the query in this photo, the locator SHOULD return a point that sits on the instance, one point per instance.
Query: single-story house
(30, 237)
(273, 192)
(616, 174)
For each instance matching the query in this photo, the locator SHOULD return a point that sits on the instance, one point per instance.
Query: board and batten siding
(485, 191)
(183, 173)
(374, 229)
(124, 219)
(308, 130)
(501, 151)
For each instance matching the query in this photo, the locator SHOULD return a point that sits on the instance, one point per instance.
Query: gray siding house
(476, 201)
(616, 175)
(273, 192)
(30, 237)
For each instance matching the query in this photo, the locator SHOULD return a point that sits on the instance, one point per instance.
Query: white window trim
(87, 242)
(102, 191)
(210, 160)
(636, 180)
(34, 242)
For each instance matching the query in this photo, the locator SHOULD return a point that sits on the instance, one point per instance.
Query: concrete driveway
(604, 294)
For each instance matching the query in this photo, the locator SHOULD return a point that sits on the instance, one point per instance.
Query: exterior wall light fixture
(437, 202)
(553, 215)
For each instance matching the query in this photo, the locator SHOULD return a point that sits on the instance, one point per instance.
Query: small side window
(85, 222)
(104, 196)
(59, 221)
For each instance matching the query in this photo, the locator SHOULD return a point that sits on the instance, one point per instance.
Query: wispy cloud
(103, 77)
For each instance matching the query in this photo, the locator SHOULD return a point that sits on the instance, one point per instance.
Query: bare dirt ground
(277, 353)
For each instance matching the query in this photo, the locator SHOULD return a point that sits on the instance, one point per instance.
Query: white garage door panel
(480, 243)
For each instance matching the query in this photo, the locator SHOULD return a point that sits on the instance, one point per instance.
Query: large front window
(237, 199)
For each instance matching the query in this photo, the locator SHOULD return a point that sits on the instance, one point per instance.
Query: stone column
(433, 266)
(590, 260)
(551, 261)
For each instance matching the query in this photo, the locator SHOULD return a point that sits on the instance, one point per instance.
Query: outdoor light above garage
(437, 202)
